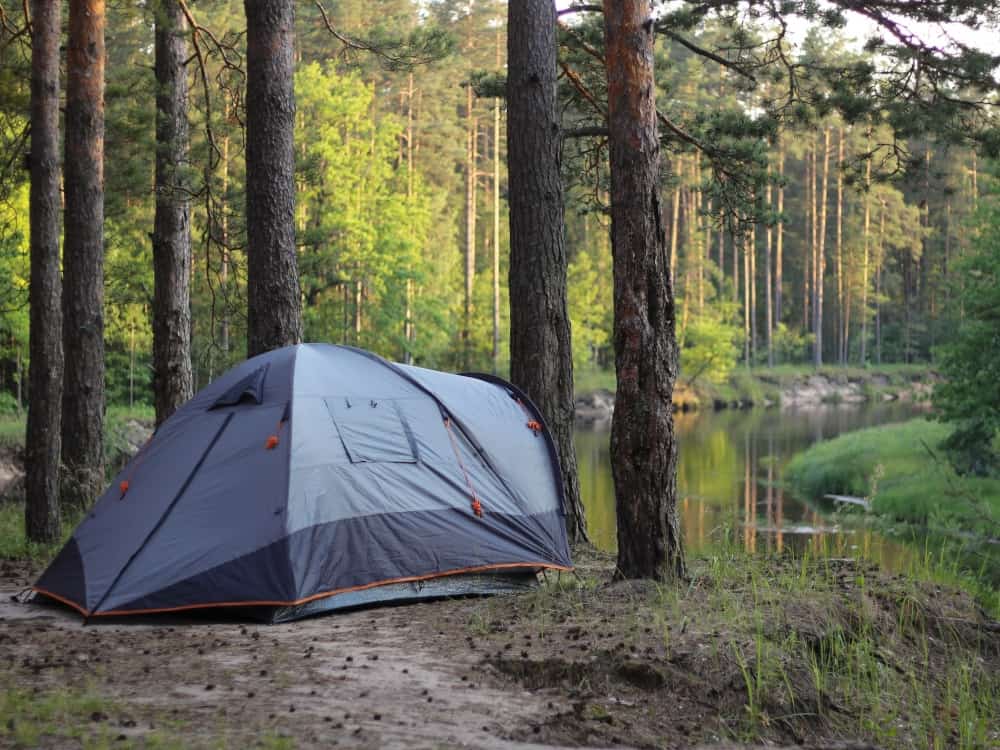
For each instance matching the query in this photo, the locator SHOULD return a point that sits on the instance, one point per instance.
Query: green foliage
(900, 469)
(969, 397)
(709, 348)
(589, 310)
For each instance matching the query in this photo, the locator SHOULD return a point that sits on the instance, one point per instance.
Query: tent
(317, 477)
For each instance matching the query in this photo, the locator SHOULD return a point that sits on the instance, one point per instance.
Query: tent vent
(249, 388)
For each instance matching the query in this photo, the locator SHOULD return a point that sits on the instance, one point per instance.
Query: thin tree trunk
(172, 383)
(841, 336)
(471, 143)
(768, 287)
(83, 258)
(274, 305)
(45, 370)
(820, 258)
(643, 446)
(779, 235)
(496, 219)
(408, 328)
(752, 247)
(745, 244)
(223, 209)
(866, 255)
(540, 348)
(878, 285)
(675, 217)
(809, 277)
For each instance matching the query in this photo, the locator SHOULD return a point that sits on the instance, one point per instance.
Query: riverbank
(792, 386)
(752, 650)
(900, 470)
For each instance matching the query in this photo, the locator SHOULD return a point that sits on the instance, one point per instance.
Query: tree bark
(172, 382)
(496, 215)
(45, 371)
(841, 335)
(779, 235)
(643, 447)
(866, 240)
(768, 285)
(540, 349)
(274, 307)
(83, 259)
(819, 261)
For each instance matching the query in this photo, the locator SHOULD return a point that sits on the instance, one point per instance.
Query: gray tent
(316, 477)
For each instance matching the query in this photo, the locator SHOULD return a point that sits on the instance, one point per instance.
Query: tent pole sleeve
(163, 517)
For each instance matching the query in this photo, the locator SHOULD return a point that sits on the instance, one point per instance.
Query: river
(729, 481)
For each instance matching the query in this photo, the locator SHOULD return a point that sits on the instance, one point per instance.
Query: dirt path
(821, 654)
(389, 677)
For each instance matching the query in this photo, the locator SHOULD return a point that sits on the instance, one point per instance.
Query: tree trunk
(45, 370)
(841, 337)
(540, 350)
(274, 307)
(820, 257)
(83, 257)
(471, 142)
(643, 447)
(866, 243)
(496, 218)
(768, 286)
(172, 384)
(779, 235)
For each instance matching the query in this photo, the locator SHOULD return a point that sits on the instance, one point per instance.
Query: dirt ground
(599, 665)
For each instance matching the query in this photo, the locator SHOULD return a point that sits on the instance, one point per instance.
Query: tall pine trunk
(819, 260)
(83, 257)
(866, 243)
(496, 218)
(839, 251)
(643, 446)
(779, 235)
(768, 282)
(540, 351)
(45, 371)
(274, 306)
(172, 382)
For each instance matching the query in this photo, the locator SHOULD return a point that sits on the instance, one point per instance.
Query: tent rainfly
(317, 477)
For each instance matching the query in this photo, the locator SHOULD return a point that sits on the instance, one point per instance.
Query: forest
(631, 198)
(844, 252)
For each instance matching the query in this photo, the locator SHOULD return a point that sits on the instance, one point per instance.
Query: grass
(814, 648)
(901, 470)
(84, 718)
(15, 546)
(12, 426)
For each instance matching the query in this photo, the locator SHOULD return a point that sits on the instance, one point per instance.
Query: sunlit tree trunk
(83, 257)
(643, 447)
(865, 259)
(819, 260)
(496, 218)
(45, 370)
(839, 251)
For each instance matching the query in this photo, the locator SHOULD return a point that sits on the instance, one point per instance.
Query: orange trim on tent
(296, 602)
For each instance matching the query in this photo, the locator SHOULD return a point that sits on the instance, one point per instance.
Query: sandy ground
(390, 677)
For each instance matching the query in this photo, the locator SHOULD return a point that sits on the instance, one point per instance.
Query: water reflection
(729, 480)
